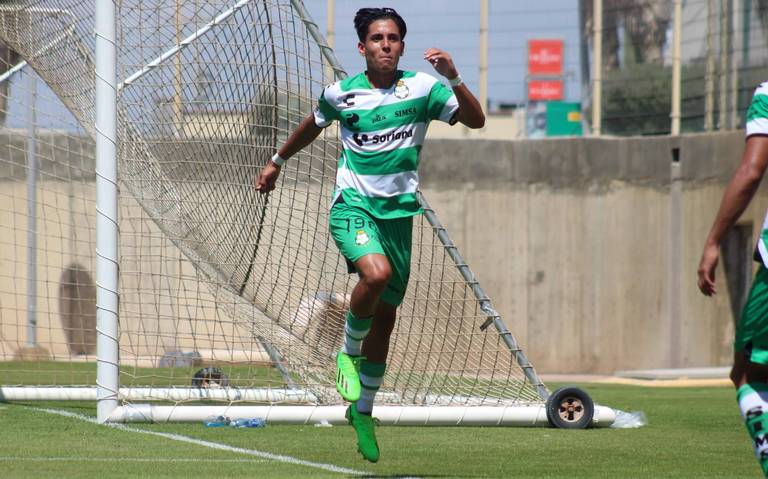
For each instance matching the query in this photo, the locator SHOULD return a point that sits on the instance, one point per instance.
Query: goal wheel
(570, 408)
(210, 378)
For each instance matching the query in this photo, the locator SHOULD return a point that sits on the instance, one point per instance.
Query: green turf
(63, 373)
(692, 432)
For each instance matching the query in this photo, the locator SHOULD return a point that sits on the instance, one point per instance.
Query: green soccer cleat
(347, 377)
(366, 437)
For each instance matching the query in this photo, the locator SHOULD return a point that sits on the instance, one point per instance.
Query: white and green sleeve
(757, 115)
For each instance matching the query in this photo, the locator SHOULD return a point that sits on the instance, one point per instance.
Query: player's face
(383, 46)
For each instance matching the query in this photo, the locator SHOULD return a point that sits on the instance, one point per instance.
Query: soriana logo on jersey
(545, 57)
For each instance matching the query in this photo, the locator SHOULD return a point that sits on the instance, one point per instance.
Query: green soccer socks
(364, 426)
(753, 402)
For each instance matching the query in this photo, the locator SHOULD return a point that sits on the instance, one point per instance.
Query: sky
(450, 25)
(454, 26)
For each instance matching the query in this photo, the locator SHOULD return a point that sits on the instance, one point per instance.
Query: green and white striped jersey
(757, 124)
(382, 132)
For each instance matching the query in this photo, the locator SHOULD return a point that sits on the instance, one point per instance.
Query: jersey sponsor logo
(378, 118)
(401, 90)
(381, 139)
(406, 112)
(348, 99)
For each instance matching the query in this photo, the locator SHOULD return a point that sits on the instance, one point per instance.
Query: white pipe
(483, 80)
(597, 67)
(5, 76)
(676, 68)
(677, 356)
(27, 9)
(722, 117)
(709, 75)
(534, 415)
(736, 39)
(88, 393)
(107, 370)
(32, 211)
(9, 73)
(183, 44)
(330, 35)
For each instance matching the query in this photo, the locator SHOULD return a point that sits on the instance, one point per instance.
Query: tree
(645, 23)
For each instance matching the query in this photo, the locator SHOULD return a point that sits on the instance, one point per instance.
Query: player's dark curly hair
(365, 16)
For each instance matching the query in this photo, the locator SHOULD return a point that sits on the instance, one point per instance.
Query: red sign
(545, 57)
(545, 90)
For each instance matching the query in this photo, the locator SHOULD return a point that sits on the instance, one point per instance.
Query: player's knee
(378, 278)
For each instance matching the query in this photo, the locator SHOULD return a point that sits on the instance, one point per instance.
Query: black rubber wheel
(210, 378)
(570, 408)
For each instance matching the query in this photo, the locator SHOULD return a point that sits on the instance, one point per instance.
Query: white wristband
(277, 159)
(454, 82)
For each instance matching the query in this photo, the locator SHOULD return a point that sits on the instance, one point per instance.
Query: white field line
(126, 459)
(214, 445)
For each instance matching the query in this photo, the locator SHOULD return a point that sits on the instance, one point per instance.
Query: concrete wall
(573, 239)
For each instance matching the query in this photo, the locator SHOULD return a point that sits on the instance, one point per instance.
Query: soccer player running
(383, 113)
(750, 363)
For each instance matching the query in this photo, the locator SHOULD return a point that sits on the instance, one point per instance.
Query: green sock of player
(355, 330)
(753, 402)
(371, 377)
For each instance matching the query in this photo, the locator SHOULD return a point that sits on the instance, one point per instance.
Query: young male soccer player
(750, 363)
(383, 113)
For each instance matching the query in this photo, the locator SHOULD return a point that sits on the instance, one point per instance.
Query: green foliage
(637, 99)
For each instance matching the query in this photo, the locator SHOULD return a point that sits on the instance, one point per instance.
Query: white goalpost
(159, 283)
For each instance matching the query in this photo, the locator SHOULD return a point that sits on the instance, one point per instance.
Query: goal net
(225, 295)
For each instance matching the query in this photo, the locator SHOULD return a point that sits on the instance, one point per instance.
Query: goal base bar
(89, 393)
(530, 415)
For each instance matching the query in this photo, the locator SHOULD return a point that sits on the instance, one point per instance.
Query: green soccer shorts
(752, 330)
(357, 233)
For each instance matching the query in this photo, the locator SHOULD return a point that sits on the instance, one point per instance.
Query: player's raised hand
(267, 178)
(707, 266)
(442, 62)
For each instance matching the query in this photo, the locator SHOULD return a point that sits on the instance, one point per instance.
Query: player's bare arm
(738, 194)
(302, 136)
(470, 112)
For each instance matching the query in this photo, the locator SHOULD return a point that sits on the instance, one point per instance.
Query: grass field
(692, 432)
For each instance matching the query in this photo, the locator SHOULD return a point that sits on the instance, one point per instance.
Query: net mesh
(211, 273)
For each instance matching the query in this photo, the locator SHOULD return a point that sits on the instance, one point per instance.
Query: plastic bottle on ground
(216, 421)
(249, 422)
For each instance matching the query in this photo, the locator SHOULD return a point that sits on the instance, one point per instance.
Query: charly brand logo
(379, 139)
(401, 89)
